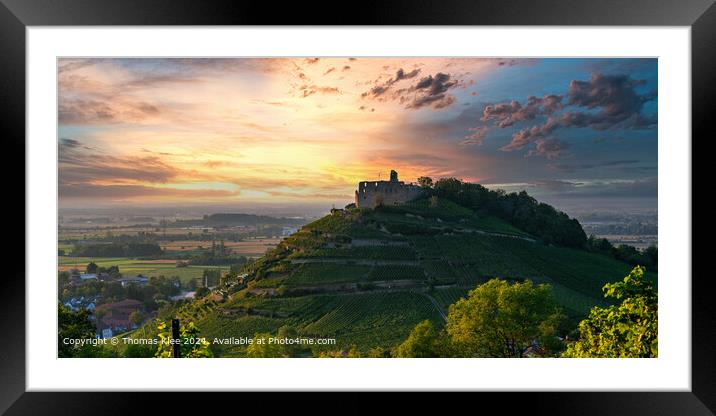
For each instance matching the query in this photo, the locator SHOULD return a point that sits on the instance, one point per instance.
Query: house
(115, 316)
(241, 279)
(105, 333)
(88, 276)
(139, 280)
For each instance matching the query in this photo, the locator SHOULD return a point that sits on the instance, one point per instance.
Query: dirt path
(437, 305)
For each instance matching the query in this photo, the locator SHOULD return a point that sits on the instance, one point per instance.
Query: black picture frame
(16, 15)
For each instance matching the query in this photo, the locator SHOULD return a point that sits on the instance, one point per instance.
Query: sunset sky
(252, 131)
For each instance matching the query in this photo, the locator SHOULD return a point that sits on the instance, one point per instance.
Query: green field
(133, 267)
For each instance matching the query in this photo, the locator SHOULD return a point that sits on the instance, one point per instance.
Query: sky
(251, 132)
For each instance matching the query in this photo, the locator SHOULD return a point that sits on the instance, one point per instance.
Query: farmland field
(131, 267)
(249, 247)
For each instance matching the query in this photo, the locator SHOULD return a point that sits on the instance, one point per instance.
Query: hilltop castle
(373, 193)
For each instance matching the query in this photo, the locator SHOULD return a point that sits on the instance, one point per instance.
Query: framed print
(372, 207)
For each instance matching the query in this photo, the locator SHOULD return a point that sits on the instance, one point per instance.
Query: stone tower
(393, 176)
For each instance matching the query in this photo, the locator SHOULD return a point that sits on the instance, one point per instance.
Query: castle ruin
(373, 193)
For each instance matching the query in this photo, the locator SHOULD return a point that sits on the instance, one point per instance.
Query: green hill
(366, 277)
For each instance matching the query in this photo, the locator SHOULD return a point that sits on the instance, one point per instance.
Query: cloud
(550, 148)
(71, 190)
(506, 114)
(308, 90)
(614, 97)
(528, 135)
(68, 65)
(78, 166)
(571, 168)
(555, 184)
(400, 75)
(477, 136)
(431, 91)
(610, 101)
(610, 188)
(82, 111)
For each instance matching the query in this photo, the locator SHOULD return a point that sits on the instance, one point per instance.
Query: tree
(423, 342)
(499, 319)
(425, 182)
(92, 267)
(191, 344)
(434, 202)
(210, 277)
(260, 347)
(629, 329)
(288, 349)
(72, 326)
(63, 278)
(136, 317)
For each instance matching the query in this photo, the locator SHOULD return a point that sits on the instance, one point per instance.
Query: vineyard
(448, 296)
(396, 273)
(317, 273)
(327, 276)
(364, 252)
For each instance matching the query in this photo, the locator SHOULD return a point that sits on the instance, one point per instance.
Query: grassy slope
(461, 251)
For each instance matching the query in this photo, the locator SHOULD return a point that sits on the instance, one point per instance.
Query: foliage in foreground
(73, 326)
(191, 344)
(627, 330)
(498, 319)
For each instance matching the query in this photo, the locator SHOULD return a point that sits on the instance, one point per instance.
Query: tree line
(131, 249)
(536, 218)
